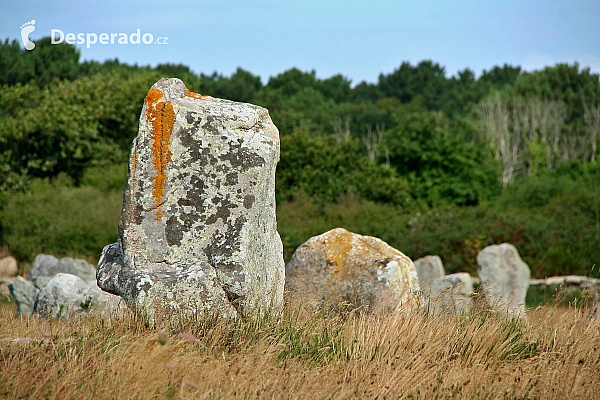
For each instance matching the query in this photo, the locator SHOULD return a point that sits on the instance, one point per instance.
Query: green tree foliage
(293, 81)
(57, 218)
(327, 169)
(365, 92)
(336, 87)
(15, 67)
(54, 61)
(69, 125)
(499, 77)
(573, 86)
(306, 109)
(427, 81)
(241, 86)
(42, 66)
(442, 164)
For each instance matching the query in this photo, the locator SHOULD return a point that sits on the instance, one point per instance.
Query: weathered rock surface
(428, 268)
(8, 267)
(4, 282)
(198, 230)
(68, 296)
(104, 304)
(45, 267)
(25, 294)
(451, 294)
(504, 278)
(342, 267)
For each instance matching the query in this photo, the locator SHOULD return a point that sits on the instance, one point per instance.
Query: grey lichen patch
(218, 212)
(248, 201)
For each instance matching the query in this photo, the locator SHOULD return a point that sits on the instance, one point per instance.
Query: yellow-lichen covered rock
(341, 267)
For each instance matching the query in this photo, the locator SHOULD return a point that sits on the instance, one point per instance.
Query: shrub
(58, 219)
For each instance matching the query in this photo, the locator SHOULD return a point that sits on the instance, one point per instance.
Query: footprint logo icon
(26, 29)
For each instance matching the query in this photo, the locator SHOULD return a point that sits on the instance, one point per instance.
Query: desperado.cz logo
(58, 36)
(26, 29)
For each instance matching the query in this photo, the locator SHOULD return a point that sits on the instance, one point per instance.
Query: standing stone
(8, 267)
(198, 230)
(428, 268)
(451, 294)
(25, 294)
(45, 267)
(340, 267)
(504, 278)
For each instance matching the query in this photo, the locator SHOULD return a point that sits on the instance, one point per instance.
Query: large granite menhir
(198, 231)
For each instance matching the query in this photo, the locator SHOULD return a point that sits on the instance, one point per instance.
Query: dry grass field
(305, 355)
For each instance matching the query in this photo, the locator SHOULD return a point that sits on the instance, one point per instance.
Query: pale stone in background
(8, 267)
(428, 268)
(45, 267)
(504, 278)
(451, 294)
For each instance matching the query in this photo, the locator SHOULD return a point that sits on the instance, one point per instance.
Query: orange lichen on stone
(346, 253)
(162, 117)
(194, 95)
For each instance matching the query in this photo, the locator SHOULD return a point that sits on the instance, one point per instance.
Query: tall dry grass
(305, 355)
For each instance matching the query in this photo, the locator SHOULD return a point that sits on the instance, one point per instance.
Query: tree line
(417, 139)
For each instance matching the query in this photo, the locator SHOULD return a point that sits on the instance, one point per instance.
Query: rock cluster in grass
(62, 288)
(45, 267)
(451, 294)
(67, 296)
(341, 267)
(198, 231)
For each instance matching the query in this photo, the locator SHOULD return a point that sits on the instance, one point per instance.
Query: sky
(359, 39)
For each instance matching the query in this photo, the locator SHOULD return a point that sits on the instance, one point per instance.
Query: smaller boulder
(8, 267)
(67, 296)
(428, 268)
(45, 267)
(341, 267)
(504, 278)
(451, 294)
(25, 294)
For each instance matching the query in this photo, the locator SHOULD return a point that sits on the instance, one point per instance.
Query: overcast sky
(359, 39)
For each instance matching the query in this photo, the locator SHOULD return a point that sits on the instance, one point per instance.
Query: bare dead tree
(494, 126)
(591, 118)
(373, 141)
(341, 130)
(515, 127)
